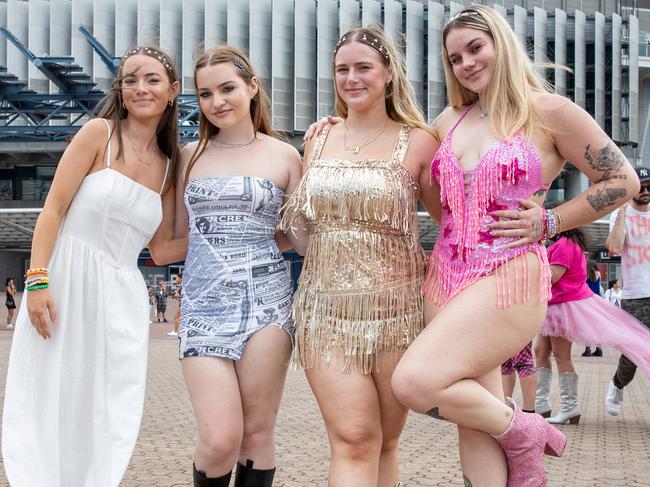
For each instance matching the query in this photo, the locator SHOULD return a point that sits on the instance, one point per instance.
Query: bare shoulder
(281, 147)
(95, 131)
(445, 120)
(185, 154)
(187, 150)
(423, 141)
(554, 108)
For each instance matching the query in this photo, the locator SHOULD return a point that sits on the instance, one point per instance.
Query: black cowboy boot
(247, 476)
(202, 480)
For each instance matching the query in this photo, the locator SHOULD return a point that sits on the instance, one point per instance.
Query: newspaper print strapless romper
(235, 280)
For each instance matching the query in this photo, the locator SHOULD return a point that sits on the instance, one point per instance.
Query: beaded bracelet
(38, 280)
(551, 224)
(35, 288)
(544, 229)
(37, 270)
(559, 221)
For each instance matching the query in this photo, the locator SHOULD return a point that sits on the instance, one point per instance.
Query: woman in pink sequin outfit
(489, 280)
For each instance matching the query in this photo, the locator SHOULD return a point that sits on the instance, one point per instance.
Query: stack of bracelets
(551, 223)
(36, 278)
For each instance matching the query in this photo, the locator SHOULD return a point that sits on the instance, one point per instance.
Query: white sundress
(73, 404)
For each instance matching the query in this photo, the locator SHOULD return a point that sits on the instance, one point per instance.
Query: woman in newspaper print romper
(236, 281)
(236, 329)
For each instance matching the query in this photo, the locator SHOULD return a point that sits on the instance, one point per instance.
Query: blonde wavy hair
(514, 78)
(260, 104)
(400, 98)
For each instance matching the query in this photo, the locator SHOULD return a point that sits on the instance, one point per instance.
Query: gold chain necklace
(146, 163)
(357, 148)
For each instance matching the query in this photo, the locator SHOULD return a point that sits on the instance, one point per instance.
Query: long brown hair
(111, 107)
(259, 108)
(400, 98)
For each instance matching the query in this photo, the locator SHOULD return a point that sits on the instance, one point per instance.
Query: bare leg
(393, 418)
(439, 368)
(350, 407)
(214, 391)
(261, 373)
(562, 354)
(509, 382)
(482, 460)
(542, 351)
(528, 386)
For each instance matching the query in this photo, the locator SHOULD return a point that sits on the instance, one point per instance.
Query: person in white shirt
(629, 236)
(614, 292)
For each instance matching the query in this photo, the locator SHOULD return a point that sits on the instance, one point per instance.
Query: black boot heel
(202, 480)
(247, 476)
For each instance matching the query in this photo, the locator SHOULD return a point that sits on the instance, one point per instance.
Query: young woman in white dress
(76, 376)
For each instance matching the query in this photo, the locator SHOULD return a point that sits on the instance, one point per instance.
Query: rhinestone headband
(154, 53)
(462, 13)
(369, 41)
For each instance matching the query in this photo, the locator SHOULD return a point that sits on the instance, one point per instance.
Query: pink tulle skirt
(594, 320)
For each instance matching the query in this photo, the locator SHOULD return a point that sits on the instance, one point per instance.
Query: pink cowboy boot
(525, 442)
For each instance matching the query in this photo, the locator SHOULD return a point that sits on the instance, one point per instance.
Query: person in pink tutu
(568, 272)
(576, 314)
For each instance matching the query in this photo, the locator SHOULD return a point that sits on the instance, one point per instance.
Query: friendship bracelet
(33, 282)
(37, 270)
(35, 288)
(544, 228)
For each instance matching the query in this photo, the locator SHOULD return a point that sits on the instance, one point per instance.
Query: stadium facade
(57, 58)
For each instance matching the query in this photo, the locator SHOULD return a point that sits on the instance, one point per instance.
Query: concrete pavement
(602, 451)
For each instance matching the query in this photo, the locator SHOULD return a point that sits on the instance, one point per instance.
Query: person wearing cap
(629, 237)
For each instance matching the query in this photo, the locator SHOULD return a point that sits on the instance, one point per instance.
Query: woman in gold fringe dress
(359, 302)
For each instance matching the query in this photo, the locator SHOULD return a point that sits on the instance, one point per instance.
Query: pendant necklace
(146, 163)
(482, 113)
(355, 149)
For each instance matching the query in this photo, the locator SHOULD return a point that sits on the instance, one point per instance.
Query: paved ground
(603, 451)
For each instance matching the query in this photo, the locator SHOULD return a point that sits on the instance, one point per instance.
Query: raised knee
(408, 385)
(357, 443)
(218, 445)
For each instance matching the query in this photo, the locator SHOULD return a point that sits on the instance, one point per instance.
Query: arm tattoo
(607, 161)
(468, 482)
(435, 413)
(540, 192)
(604, 197)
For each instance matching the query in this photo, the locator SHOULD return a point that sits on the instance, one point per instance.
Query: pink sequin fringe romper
(466, 250)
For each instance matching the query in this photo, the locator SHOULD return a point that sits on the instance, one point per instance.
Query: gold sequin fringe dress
(360, 288)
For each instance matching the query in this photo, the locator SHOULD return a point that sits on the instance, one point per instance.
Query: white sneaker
(613, 400)
(10, 326)
(172, 333)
